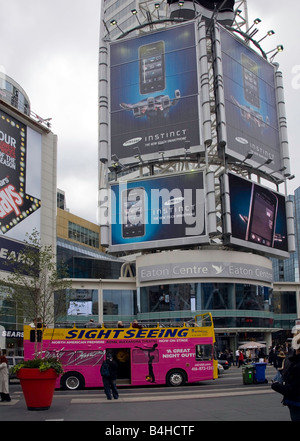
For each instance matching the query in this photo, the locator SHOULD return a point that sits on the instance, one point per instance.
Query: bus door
(122, 357)
(205, 355)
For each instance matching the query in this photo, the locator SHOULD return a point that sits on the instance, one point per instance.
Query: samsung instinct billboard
(158, 212)
(257, 217)
(250, 104)
(154, 95)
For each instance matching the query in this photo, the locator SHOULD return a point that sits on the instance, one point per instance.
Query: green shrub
(43, 364)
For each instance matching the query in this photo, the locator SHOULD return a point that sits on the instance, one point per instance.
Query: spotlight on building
(268, 34)
(138, 154)
(157, 6)
(282, 169)
(248, 156)
(275, 51)
(255, 22)
(115, 23)
(180, 4)
(115, 166)
(268, 161)
(135, 13)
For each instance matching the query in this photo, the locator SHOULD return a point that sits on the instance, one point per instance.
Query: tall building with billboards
(28, 171)
(193, 152)
(28, 155)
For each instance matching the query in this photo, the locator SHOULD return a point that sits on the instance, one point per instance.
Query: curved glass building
(13, 94)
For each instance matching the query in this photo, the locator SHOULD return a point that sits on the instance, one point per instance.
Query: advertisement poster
(158, 212)
(250, 104)
(20, 185)
(154, 94)
(258, 217)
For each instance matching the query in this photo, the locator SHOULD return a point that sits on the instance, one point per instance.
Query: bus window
(203, 320)
(203, 352)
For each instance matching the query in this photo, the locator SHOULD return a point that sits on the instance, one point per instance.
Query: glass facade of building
(119, 303)
(87, 263)
(83, 235)
(233, 305)
(13, 94)
(287, 270)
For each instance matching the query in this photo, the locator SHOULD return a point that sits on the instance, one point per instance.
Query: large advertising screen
(158, 212)
(154, 95)
(258, 217)
(20, 185)
(250, 104)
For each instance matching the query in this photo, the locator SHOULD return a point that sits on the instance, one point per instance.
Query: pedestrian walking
(230, 358)
(248, 356)
(271, 355)
(108, 372)
(241, 359)
(237, 354)
(4, 379)
(290, 388)
(280, 366)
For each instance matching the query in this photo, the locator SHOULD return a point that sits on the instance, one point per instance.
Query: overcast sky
(50, 47)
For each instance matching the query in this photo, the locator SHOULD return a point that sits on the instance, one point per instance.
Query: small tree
(34, 282)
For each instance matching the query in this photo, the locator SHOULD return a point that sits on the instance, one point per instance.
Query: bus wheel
(72, 381)
(176, 378)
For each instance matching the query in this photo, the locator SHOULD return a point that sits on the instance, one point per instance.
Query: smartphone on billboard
(250, 81)
(133, 212)
(262, 216)
(152, 67)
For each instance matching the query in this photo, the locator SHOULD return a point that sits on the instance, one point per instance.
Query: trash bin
(248, 373)
(260, 373)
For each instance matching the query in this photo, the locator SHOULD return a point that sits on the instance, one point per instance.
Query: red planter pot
(38, 387)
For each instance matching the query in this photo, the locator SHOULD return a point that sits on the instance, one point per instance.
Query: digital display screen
(257, 216)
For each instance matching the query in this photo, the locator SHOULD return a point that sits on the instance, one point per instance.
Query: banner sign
(250, 104)
(258, 217)
(15, 204)
(158, 212)
(154, 94)
(204, 270)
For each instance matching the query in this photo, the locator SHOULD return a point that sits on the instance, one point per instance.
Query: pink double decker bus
(150, 355)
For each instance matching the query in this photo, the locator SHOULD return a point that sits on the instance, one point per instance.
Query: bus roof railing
(200, 320)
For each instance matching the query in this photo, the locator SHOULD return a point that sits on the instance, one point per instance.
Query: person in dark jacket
(290, 388)
(109, 382)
